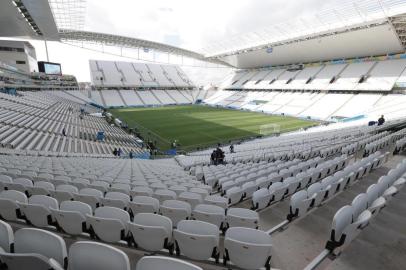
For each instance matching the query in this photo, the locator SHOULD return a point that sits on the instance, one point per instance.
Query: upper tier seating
(359, 76)
(125, 74)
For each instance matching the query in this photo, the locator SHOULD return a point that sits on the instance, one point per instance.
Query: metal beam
(129, 42)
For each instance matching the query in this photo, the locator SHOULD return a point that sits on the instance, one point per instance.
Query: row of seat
(36, 249)
(212, 209)
(274, 189)
(198, 240)
(350, 220)
(303, 201)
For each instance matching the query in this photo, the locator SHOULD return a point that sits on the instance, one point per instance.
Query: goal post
(269, 129)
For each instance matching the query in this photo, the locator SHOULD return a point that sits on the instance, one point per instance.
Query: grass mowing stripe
(200, 125)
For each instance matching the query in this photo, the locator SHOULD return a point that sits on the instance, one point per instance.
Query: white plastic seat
(178, 189)
(121, 187)
(71, 216)
(164, 263)
(300, 203)
(37, 211)
(197, 240)
(261, 198)
(110, 224)
(234, 195)
(248, 248)
(116, 199)
(176, 210)
(86, 255)
(6, 237)
(316, 192)
(200, 190)
(99, 185)
(192, 198)
(89, 196)
(20, 184)
(9, 204)
(242, 217)
(277, 191)
(141, 191)
(217, 200)
(164, 194)
(47, 244)
(5, 180)
(32, 261)
(249, 188)
(263, 182)
(151, 232)
(375, 201)
(42, 188)
(80, 183)
(210, 213)
(293, 184)
(64, 192)
(144, 204)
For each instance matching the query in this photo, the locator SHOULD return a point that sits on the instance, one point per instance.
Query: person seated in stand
(64, 132)
(381, 121)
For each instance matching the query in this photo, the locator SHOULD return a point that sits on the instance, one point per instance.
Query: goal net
(269, 129)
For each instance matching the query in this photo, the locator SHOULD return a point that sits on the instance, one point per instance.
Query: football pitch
(201, 126)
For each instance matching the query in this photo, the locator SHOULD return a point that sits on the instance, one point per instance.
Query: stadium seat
(38, 210)
(217, 200)
(110, 224)
(144, 204)
(176, 210)
(116, 199)
(192, 198)
(39, 242)
(6, 237)
(164, 194)
(210, 213)
(242, 217)
(89, 196)
(164, 263)
(86, 255)
(248, 248)
(197, 240)
(64, 192)
(42, 188)
(141, 191)
(10, 204)
(21, 184)
(151, 232)
(71, 216)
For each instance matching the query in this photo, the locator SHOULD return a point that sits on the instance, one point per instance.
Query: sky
(190, 24)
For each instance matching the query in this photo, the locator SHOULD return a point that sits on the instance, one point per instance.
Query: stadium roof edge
(130, 42)
(349, 15)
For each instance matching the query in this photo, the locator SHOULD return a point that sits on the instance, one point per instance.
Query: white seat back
(85, 255)
(164, 263)
(50, 245)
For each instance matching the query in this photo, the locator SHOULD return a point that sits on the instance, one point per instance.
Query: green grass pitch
(201, 126)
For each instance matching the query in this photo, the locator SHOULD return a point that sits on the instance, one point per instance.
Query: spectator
(115, 152)
(219, 155)
(381, 121)
(213, 158)
(119, 152)
(231, 148)
(64, 132)
(131, 154)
